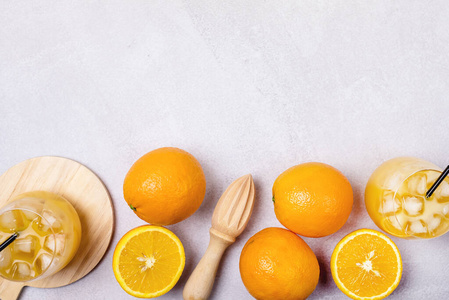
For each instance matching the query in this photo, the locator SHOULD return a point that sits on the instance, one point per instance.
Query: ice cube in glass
(21, 270)
(417, 184)
(413, 205)
(5, 258)
(11, 221)
(417, 227)
(55, 243)
(28, 245)
(43, 261)
(390, 204)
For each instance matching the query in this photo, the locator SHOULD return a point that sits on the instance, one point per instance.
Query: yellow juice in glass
(395, 198)
(49, 235)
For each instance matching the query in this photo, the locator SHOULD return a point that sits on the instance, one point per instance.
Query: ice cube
(446, 211)
(27, 245)
(413, 205)
(444, 189)
(52, 221)
(11, 221)
(41, 226)
(42, 262)
(418, 184)
(433, 222)
(21, 270)
(417, 227)
(390, 204)
(5, 258)
(55, 243)
(442, 192)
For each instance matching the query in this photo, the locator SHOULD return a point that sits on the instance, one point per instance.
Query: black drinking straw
(438, 182)
(9, 241)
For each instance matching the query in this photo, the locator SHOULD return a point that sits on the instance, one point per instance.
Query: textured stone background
(245, 86)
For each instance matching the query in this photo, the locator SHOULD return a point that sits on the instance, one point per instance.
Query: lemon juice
(395, 199)
(49, 235)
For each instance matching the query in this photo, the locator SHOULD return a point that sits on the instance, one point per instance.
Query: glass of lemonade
(395, 198)
(49, 235)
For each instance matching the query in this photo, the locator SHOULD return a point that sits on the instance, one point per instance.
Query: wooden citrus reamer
(228, 221)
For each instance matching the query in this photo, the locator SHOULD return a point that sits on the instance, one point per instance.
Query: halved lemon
(148, 261)
(366, 264)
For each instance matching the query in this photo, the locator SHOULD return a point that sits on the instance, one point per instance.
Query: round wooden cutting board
(85, 191)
